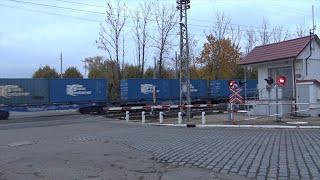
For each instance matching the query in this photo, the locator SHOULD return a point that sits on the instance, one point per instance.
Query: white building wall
(313, 63)
(314, 100)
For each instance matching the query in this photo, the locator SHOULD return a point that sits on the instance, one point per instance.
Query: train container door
(198, 89)
(124, 90)
(250, 88)
(164, 89)
(219, 89)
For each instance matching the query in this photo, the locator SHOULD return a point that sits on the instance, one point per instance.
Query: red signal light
(232, 83)
(281, 81)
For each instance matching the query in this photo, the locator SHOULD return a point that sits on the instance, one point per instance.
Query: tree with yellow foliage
(219, 58)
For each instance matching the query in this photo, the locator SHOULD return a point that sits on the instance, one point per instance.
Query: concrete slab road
(79, 150)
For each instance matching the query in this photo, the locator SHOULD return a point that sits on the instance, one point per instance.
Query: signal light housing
(269, 80)
(281, 80)
(232, 83)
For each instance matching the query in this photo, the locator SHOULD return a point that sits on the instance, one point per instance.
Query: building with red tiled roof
(296, 59)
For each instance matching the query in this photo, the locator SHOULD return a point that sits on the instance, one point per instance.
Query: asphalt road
(91, 147)
(58, 148)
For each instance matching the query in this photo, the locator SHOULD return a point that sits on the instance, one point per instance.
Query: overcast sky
(34, 35)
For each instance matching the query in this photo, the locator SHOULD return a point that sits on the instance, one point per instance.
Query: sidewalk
(240, 120)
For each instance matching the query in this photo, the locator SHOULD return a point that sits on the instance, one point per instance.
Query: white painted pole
(143, 117)
(203, 118)
(161, 117)
(179, 118)
(127, 116)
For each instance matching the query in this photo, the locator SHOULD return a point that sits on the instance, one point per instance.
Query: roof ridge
(285, 41)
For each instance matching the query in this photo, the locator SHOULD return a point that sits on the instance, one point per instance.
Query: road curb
(237, 126)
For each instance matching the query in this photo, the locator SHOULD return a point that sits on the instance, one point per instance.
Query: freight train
(168, 90)
(91, 95)
(28, 95)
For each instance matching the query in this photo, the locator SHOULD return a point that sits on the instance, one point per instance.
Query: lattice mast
(185, 99)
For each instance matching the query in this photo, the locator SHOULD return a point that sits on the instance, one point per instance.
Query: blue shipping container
(135, 90)
(199, 89)
(17, 92)
(78, 90)
(251, 88)
(219, 89)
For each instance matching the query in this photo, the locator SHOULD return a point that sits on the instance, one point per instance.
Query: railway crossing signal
(281, 80)
(235, 97)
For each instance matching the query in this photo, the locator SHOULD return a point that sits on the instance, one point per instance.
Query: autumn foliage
(218, 59)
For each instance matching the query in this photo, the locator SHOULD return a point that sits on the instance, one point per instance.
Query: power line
(49, 13)
(193, 19)
(198, 26)
(54, 6)
(61, 15)
(80, 3)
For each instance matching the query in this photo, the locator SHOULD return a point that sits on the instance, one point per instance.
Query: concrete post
(143, 117)
(179, 117)
(277, 105)
(203, 118)
(127, 116)
(230, 114)
(161, 117)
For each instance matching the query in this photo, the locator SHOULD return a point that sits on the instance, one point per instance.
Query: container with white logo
(78, 91)
(18, 92)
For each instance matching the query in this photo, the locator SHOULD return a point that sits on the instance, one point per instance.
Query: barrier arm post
(127, 116)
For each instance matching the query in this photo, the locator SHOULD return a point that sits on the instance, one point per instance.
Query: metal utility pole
(185, 99)
(313, 22)
(85, 68)
(177, 66)
(61, 65)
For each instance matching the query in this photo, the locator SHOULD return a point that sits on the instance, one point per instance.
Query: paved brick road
(254, 153)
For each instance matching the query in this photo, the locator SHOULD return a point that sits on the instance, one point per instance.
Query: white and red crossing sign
(235, 97)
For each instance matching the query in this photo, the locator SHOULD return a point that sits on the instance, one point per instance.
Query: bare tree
(111, 31)
(301, 30)
(220, 28)
(141, 32)
(250, 40)
(137, 35)
(236, 34)
(265, 33)
(193, 44)
(280, 34)
(221, 25)
(166, 20)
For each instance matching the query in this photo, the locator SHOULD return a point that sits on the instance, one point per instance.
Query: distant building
(299, 61)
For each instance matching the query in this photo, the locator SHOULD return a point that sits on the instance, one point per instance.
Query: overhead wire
(49, 13)
(198, 26)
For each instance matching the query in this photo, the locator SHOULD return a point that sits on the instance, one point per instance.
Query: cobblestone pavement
(253, 153)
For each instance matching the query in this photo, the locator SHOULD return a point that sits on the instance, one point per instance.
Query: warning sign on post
(235, 97)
